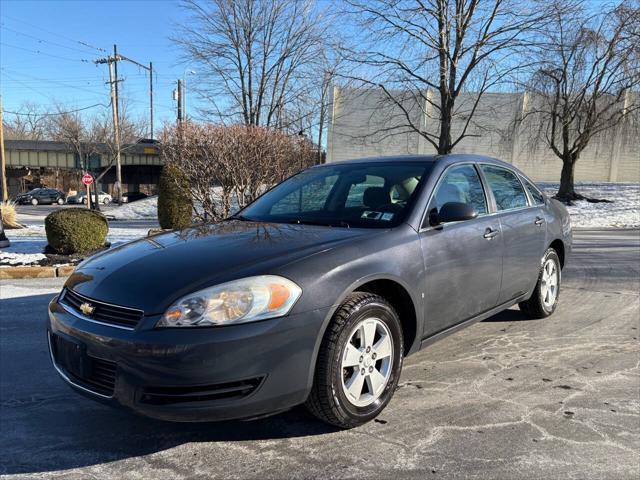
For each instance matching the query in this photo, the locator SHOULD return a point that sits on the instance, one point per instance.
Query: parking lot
(507, 398)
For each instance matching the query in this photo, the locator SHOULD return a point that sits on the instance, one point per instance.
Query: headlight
(240, 301)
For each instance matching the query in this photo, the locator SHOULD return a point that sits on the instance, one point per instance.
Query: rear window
(507, 189)
(536, 196)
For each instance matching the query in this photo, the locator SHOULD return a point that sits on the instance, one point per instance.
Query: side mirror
(456, 212)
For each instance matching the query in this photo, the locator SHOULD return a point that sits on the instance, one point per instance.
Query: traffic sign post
(88, 180)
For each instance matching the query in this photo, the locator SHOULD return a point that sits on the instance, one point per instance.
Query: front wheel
(60, 201)
(544, 299)
(34, 201)
(359, 362)
(106, 201)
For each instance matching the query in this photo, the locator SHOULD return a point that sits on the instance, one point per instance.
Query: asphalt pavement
(508, 398)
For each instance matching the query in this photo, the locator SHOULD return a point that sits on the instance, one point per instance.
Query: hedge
(174, 206)
(76, 230)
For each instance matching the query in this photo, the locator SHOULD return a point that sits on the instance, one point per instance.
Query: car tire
(544, 300)
(330, 398)
(106, 201)
(60, 201)
(34, 201)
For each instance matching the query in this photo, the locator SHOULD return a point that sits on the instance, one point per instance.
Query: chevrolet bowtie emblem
(87, 308)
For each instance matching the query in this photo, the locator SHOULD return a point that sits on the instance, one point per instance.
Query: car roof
(440, 159)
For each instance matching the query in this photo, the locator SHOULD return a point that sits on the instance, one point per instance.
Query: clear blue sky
(42, 59)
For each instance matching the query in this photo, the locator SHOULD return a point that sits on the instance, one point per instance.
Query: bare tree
(425, 54)
(254, 56)
(586, 81)
(72, 129)
(29, 123)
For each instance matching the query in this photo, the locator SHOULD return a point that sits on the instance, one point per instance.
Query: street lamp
(187, 71)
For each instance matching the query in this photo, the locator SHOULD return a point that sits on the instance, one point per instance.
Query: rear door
(463, 260)
(523, 231)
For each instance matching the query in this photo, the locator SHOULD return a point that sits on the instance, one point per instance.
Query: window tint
(537, 197)
(361, 195)
(506, 188)
(355, 198)
(308, 198)
(460, 184)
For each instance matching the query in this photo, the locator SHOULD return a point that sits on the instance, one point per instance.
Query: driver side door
(463, 259)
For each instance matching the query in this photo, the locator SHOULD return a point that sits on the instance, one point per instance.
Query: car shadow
(511, 315)
(48, 427)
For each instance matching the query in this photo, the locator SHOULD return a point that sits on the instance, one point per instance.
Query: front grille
(101, 377)
(93, 373)
(220, 391)
(103, 312)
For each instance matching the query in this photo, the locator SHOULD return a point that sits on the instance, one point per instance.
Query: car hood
(152, 272)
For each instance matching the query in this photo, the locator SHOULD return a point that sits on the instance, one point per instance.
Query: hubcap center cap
(367, 361)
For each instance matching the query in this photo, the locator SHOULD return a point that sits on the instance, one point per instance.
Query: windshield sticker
(370, 215)
(387, 217)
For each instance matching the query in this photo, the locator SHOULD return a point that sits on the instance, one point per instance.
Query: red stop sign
(87, 179)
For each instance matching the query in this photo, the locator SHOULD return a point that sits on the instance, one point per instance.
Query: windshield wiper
(241, 218)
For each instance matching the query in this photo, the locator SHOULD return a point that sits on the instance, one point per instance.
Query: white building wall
(363, 124)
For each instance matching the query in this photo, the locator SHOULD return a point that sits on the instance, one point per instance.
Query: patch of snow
(624, 212)
(16, 258)
(141, 209)
(28, 244)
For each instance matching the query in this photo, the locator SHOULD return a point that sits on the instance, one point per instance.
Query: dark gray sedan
(313, 294)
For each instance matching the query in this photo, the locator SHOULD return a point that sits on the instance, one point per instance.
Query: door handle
(539, 221)
(490, 234)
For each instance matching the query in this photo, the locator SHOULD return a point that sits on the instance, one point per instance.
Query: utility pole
(151, 99)
(3, 159)
(116, 131)
(112, 61)
(179, 100)
(113, 82)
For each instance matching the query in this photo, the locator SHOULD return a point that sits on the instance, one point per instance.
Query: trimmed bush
(174, 204)
(76, 230)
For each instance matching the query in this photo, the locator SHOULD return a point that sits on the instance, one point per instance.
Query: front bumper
(195, 374)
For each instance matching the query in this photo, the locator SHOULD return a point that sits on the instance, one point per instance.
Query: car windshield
(374, 195)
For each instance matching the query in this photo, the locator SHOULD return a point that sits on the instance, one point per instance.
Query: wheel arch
(398, 296)
(558, 246)
(402, 300)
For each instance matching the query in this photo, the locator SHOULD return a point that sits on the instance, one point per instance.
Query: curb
(12, 273)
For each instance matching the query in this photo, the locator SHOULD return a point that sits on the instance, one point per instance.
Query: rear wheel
(60, 201)
(359, 362)
(34, 201)
(544, 299)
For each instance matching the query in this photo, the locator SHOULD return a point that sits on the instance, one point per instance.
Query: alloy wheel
(549, 285)
(367, 362)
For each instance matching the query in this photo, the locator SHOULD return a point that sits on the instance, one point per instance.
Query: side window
(506, 188)
(355, 197)
(538, 198)
(310, 197)
(460, 184)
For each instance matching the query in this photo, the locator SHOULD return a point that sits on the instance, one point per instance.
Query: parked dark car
(129, 197)
(45, 196)
(312, 294)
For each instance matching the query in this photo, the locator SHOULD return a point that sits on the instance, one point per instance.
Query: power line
(44, 40)
(75, 87)
(85, 44)
(39, 52)
(57, 113)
